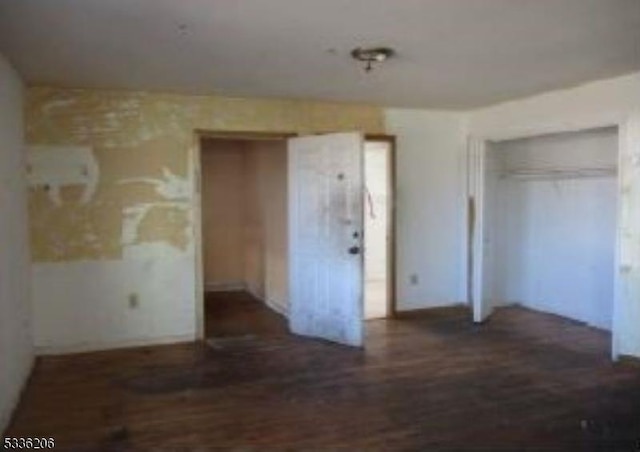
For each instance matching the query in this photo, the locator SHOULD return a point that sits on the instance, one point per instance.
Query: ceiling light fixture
(372, 55)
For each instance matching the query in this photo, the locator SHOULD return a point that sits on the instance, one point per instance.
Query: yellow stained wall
(142, 144)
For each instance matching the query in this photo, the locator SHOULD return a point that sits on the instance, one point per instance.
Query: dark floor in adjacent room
(435, 381)
(240, 314)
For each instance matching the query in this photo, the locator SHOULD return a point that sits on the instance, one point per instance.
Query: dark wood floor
(523, 381)
(240, 314)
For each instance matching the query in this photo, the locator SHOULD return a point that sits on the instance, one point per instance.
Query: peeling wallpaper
(110, 169)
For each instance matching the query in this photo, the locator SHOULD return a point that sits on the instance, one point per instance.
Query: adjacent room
(320, 225)
(244, 235)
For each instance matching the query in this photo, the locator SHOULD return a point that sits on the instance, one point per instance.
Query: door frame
(476, 176)
(195, 160)
(473, 213)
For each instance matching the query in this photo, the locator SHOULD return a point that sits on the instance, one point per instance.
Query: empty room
(320, 225)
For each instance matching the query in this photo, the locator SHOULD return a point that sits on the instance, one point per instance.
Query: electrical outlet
(413, 279)
(134, 301)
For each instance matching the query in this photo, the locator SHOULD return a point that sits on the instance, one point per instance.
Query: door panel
(325, 237)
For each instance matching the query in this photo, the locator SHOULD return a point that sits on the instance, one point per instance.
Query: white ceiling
(451, 53)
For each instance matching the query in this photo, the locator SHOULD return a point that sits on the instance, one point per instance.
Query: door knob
(354, 250)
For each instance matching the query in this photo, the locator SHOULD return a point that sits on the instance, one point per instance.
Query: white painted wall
(550, 242)
(16, 345)
(159, 275)
(608, 102)
(430, 159)
(583, 107)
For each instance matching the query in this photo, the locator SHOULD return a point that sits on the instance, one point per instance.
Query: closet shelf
(561, 173)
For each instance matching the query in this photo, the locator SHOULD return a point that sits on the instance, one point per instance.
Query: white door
(481, 303)
(325, 237)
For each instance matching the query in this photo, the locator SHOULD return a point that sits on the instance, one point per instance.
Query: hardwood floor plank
(436, 381)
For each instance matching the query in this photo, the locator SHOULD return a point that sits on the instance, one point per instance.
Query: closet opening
(548, 227)
(244, 218)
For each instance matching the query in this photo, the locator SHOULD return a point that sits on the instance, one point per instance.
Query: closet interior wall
(550, 224)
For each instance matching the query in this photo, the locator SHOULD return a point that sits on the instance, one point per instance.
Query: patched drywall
(111, 178)
(50, 169)
(16, 344)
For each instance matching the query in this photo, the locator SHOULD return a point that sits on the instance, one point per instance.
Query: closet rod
(561, 173)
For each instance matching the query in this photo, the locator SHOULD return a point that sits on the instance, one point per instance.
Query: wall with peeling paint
(608, 102)
(111, 223)
(16, 345)
(121, 231)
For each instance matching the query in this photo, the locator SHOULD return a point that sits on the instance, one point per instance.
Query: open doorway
(244, 235)
(378, 229)
(245, 216)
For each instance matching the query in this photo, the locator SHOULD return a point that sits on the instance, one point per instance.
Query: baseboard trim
(225, 287)
(271, 304)
(629, 360)
(254, 293)
(49, 350)
(277, 307)
(422, 311)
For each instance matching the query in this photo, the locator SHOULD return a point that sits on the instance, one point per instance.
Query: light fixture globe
(372, 55)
